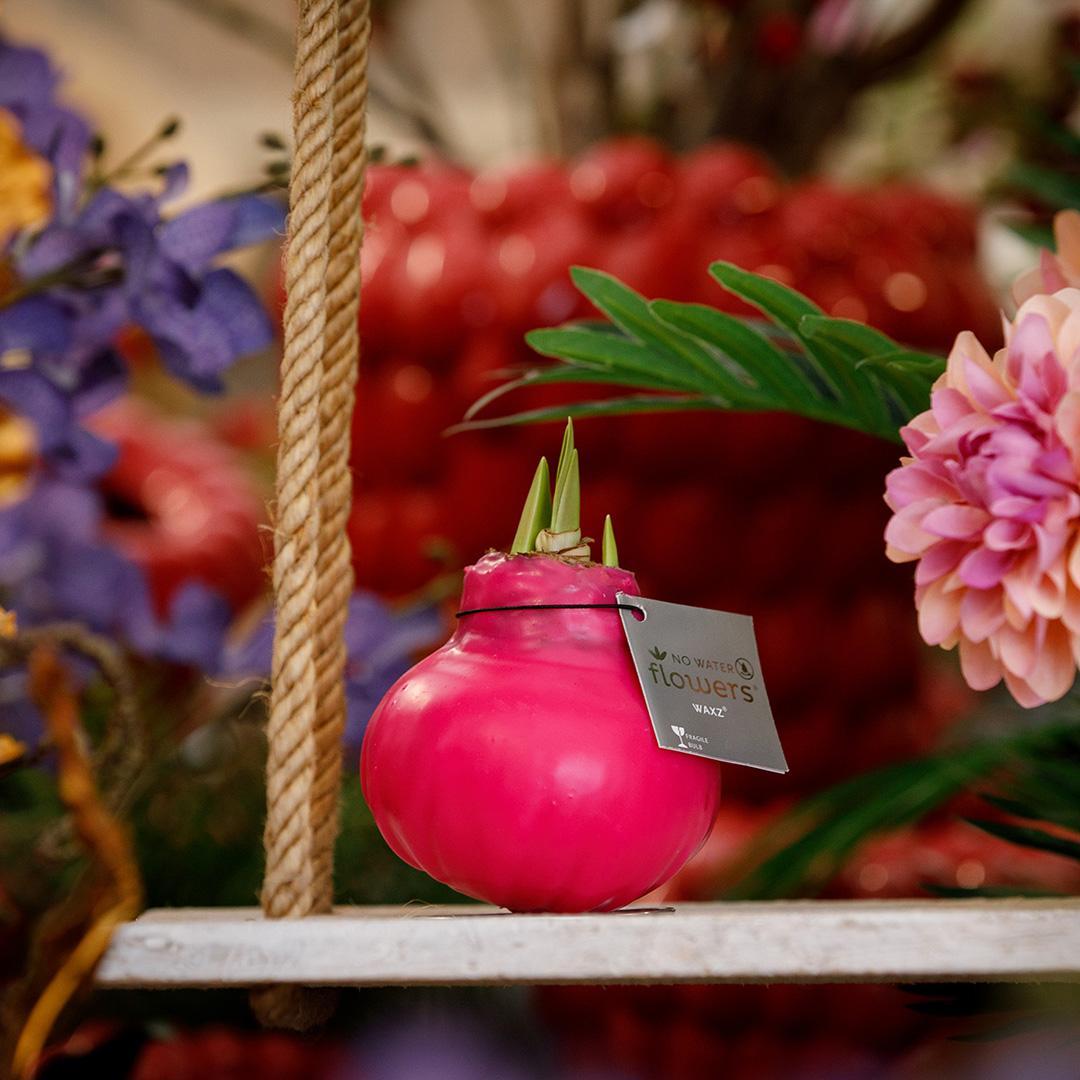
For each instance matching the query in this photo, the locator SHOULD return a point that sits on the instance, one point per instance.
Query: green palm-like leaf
(692, 356)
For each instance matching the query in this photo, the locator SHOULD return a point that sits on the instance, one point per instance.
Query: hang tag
(701, 677)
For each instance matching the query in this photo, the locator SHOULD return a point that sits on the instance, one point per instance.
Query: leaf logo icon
(657, 653)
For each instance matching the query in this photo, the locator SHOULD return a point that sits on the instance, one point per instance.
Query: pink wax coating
(518, 765)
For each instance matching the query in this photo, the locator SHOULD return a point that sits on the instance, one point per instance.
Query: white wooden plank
(808, 941)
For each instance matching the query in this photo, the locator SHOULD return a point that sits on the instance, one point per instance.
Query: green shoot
(536, 514)
(564, 454)
(566, 508)
(611, 552)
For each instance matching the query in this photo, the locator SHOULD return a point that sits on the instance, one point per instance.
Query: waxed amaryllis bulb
(518, 765)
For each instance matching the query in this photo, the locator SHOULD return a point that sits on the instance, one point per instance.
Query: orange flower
(24, 181)
(18, 455)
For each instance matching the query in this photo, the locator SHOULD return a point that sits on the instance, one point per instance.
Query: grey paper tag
(700, 673)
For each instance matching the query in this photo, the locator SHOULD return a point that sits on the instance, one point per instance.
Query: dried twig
(103, 835)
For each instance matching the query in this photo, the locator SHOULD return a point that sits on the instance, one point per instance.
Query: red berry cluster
(765, 514)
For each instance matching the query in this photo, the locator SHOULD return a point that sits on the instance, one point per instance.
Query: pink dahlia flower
(989, 504)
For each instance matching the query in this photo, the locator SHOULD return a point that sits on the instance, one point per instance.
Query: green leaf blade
(536, 514)
(613, 353)
(610, 554)
(630, 311)
(778, 380)
(566, 507)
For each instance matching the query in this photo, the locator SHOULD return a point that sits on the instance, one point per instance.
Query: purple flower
(196, 237)
(68, 450)
(129, 266)
(381, 644)
(194, 633)
(55, 567)
(39, 384)
(28, 85)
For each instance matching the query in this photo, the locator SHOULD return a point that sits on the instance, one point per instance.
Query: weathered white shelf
(793, 942)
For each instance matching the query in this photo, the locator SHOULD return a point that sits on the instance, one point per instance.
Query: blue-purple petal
(54, 247)
(26, 76)
(102, 379)
(35, 398)
(195, 237)
(84, 456)
(232, 304)
(59, 135)
(258, 218)
(195, 631)
(38, 323)
(174, 180)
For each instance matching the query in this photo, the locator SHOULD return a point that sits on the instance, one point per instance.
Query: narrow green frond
(617, 406)
(610, 551)
(536, 514)
(1029, 837)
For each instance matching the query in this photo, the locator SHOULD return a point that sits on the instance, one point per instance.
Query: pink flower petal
(940, 560)
(1013, 475)
(1067, 424)
(1057, 464)
(914, 439)
(1032, 362)
(1071, 615)
(1049, 546)
(1055, 672)
(984, 388)
(939, 614)
(983, 568)
(967, 347)
(949, 406)
(1028, 284)
(982, 613)
(916, 481)
(980, 670)
(1018, 650)
(904, 530)
(956, 522)
(955, 440)
(1052, 276)
(1023, 693)
(1017, 507)
(1018, 609)
(1005, 534)
(1073, 565)
(1048, 597)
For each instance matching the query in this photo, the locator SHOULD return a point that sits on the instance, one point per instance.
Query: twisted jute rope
(312, 565)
